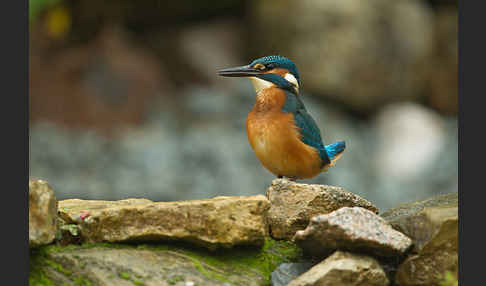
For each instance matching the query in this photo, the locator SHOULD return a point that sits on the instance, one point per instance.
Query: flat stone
(129, 266)
(293, 204)
(42, 213)
(433, 226)
(354, 229)
(344, 269)
(212, 223)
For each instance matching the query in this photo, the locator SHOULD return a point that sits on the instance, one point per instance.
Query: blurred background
(125, 101)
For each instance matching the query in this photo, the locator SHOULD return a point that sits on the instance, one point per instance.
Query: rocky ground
(332, 237)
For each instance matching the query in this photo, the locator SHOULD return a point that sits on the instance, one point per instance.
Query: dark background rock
(124, 97)
(352, 51)
(286, 272)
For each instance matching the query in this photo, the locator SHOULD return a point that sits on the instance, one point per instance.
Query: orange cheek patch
(281, 72)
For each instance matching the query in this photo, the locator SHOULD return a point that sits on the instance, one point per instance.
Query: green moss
(128, 276)
(208, 273)
(124, 275)
(211, 264)
(39, 260)
(82, 281)
(58, 267)
(449, 279)
(263, 260)
(242, 259)
(174, 279)
(37, 274)
(138, 282)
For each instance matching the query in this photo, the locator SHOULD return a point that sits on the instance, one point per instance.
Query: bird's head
(268, 72)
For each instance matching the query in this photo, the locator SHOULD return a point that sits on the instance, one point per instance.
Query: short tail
(334, 152)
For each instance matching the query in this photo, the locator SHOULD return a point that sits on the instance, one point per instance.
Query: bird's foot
(293, 179)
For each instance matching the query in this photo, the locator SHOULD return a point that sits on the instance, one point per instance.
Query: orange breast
(275, 139)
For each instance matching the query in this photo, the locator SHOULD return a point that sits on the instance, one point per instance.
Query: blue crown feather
(280, 62)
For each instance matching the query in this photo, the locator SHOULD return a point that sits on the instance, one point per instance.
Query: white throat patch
(260, 84)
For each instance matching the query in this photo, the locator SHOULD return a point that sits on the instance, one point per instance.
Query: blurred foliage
(58, 22)
(449, 279)
(37, 6)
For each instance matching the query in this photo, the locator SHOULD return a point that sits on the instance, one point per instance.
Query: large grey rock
(177, 264)
(131, 266)
(399, 214)
(293, 204)
(208, 47)
(352, 50)
(433, 226)
(217, 222)
(406, 155)
(42, 213)
(344, 269)
(354, 229)
(442, 75)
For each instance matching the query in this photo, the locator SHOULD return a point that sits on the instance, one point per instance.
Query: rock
(104, 266)
(208, 47)
(96, 82)
(433, 226)
(353, 229)
(287, 272)
(415, 162)
(217, 222)
(442, 75)
(293, 204)
(344, 269)
(327, 40)
(398, 215)
(407, 154)
(42, 213)
(156, 264)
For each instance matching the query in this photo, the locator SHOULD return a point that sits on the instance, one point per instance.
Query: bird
(283, 135)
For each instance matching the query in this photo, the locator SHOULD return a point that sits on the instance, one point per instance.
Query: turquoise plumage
(284, 136)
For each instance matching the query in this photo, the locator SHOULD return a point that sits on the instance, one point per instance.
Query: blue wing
(310, 133)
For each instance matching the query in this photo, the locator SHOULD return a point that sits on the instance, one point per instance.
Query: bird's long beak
(242, 71)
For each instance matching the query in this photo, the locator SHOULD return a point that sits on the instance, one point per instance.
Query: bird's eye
(270, 66)
(259, 67)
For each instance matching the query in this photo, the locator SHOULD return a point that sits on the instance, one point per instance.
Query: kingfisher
(283, 135)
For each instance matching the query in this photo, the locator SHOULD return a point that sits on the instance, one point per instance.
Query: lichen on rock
(353, 229)
(42, 213)
(212, 223)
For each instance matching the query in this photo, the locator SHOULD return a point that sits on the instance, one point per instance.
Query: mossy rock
(157, 264)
